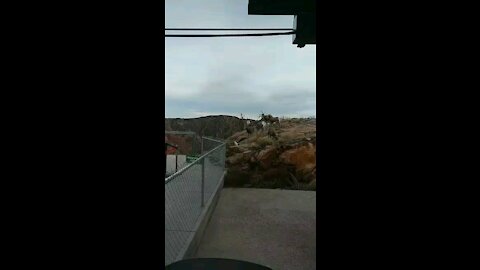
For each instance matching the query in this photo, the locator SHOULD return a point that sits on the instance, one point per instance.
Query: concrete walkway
(276, 228)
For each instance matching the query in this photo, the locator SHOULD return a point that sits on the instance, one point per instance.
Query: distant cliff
(220, 127)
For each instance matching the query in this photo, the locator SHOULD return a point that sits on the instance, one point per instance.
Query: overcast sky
(211, 76)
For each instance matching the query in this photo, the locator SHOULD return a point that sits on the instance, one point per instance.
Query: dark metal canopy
(280, 7)
(303, 10)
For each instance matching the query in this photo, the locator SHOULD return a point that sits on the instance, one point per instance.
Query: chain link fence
(186, 194)
(208, 144)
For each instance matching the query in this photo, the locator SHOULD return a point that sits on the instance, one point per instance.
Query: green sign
(191, 159)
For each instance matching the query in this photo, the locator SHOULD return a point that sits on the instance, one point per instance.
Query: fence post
(166, 157)
(194, 145)
(203, 182)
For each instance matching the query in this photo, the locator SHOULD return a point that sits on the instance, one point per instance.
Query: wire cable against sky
(229, 29)
(236, 35)
(290, 32)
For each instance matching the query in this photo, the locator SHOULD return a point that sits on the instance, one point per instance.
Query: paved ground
(276, 228)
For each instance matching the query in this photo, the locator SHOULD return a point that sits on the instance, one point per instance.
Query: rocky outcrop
(287, 160)
(281, 154)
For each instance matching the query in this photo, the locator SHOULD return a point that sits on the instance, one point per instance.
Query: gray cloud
(233, 95)
(233, 76)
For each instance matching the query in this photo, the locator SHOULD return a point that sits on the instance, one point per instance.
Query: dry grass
(290, 135)
(265, 141)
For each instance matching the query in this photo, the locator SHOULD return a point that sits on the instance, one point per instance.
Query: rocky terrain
(284, 158)
(278, 155)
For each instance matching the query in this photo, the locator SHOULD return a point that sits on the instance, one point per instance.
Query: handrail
(180, 132)
(211, 139)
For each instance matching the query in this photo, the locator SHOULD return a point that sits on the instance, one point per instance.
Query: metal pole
(203, 182)
(192, 152)
(176, 163)
(166, 160)
(201, 150)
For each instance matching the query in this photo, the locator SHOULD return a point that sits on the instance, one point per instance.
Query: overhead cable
(228, 29)
(235, 35)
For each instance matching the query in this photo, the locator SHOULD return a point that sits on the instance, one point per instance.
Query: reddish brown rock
(236, 159)
(302, 158)
(266, 157)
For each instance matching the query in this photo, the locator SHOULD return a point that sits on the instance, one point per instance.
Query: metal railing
(186, 194)
(208, 144)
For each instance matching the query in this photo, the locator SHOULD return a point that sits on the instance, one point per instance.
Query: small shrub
(253, 138)
(265, 141)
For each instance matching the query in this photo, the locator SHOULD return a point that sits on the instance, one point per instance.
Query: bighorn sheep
(270, 119)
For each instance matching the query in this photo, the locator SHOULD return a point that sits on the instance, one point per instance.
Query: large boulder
(302, 158)
(267, 157)
(232, 150)
(236, 159)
